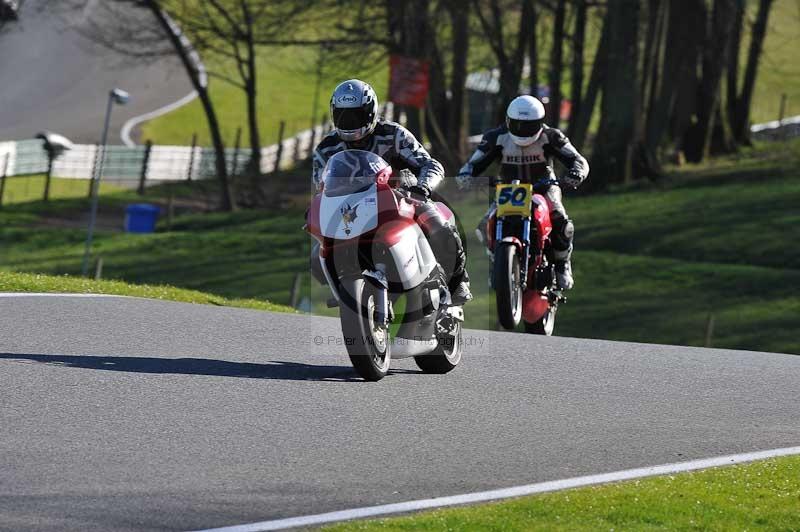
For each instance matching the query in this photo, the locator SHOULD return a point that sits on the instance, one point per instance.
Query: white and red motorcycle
(376, 258)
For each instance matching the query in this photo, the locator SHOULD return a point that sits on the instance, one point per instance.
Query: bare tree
(741, 122)
(557, 62)
(495, 17)
(578, 43)
(614, 150)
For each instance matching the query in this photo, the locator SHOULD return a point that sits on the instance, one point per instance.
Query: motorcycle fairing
(350, 216)
(410, 251)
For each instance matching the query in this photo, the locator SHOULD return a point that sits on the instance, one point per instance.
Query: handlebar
(544, 182)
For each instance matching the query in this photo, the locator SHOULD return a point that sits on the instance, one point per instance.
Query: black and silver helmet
(354, 110)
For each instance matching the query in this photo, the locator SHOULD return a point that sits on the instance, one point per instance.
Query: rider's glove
(420, 192)
(571, 179)
(464, 181)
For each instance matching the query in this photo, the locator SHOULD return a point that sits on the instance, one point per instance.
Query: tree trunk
(732, 83)
(683, 41)
(228, 197)
(714, 61)
(741, 124)
(596, 79)
(251, 91)
(533, 53)
(721, 135)
(556, 64)
(652, 69)
(456, 126)
(578, 40)
(612, 158)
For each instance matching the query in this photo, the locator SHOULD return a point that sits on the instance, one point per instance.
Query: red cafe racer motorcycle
(523, 274)
(373, 253)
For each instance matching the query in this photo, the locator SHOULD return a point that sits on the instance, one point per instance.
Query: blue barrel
(141, 218)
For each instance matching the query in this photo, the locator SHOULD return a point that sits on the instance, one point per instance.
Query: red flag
(408, 81)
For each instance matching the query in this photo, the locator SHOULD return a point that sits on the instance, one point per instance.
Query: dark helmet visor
(349, 119)
(524, 128)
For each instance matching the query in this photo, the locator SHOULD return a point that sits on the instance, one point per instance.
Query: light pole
(120, 97)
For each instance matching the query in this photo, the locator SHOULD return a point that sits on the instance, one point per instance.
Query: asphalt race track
(131, 414)
(52, 78)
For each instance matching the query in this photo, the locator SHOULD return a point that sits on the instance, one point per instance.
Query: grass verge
(758, 496)
(37, 283)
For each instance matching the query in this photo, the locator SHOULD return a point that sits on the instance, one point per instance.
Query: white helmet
(524, 118)
(354, 110)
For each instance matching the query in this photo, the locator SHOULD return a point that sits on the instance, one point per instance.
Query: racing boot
(561, 238)
(563, 266)
(461, 294)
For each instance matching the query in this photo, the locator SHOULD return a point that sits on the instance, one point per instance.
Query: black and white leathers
(529, 163)
(395, 144)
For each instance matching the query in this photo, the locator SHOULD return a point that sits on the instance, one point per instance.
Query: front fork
(525, 239)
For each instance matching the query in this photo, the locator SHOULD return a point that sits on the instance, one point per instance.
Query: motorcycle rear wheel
(547, 323)
(368, 344)
(544, 325)
(508, 285)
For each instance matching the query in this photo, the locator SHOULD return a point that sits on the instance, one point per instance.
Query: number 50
(516, 195)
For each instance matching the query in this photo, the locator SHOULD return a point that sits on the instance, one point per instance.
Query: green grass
(779, 70)
(286, 83)
(247, 255)
(27, 282)
(31, 188)
(758, 496)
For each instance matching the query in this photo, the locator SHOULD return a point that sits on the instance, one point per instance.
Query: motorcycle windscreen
(350, 215)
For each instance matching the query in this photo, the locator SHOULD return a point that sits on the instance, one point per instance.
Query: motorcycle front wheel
(508, 285)
(367, 342)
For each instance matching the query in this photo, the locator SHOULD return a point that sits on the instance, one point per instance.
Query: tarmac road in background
(52, 78)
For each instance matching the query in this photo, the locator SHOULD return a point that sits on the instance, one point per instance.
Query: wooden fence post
(279, 155)
(97, 155)
(236, 153)
(98, 269)
(709, 329)
(294, 296)
(145, 165)
(782, 109)
(4, 177)
(296, 154)
(191, 158)
(313, 141)
(48, 177)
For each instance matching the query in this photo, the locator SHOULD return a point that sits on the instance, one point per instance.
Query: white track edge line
(504, 493)
(125, 133)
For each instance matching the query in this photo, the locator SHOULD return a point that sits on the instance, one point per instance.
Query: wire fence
(151, 162)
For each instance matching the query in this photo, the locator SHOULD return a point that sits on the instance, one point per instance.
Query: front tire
(367, 343)
(508, 285)
(447, 354)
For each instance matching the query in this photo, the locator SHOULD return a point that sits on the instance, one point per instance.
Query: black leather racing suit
(530, 164)
(398, 146)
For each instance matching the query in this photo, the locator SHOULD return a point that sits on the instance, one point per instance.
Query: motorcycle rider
(526, 146)
(354, 112)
